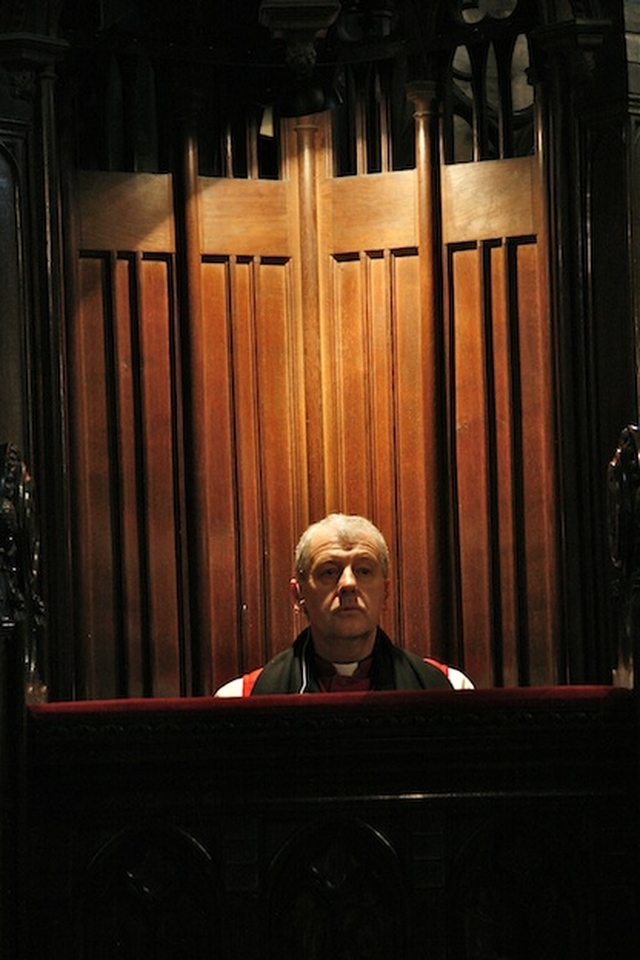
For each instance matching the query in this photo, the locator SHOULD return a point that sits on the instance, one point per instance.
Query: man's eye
(364, 571)
(328, 573)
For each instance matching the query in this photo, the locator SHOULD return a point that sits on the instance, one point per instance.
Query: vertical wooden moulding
(159, 455)
(95, 569)
(472, 474)
(306, 139)
(250, 647)
(435, 508)
(196, 653)
(224, 282)
(127, 332)
(280, 460)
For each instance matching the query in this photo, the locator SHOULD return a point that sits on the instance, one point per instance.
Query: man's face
(343, 595)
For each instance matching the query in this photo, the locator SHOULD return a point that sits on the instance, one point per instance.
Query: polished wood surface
(328, 352)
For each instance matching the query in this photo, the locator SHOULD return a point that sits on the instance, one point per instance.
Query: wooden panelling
(381, 206)
(416, 519)
(279, 394)
(350, 460)
(314, 394)
(489, 199)
(132, 531)
(124, 211)
(225, 205)
(95, 577)
(374, 411)
(539, 481)
(159, 465)
(253, 465)
(499, 364)
(501, 398)
(124, 446)
(221, 472)
(470, 452)
(380, 274)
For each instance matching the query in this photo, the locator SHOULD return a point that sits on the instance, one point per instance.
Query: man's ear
(387, 591)
(296, 593)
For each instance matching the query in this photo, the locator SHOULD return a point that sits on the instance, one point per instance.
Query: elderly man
(341, 584)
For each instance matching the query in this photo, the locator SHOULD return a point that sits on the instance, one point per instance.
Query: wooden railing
(448, 825)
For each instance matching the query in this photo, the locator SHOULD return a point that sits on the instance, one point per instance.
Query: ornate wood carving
(20, 600)
(623, 516)
(336, 889)
(151, 889)
(466, 826)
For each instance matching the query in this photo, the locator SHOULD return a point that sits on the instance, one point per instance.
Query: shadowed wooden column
(435, 503)
(195, 657)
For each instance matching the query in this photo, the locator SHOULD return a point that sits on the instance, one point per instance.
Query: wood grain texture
(322, 384)
(124, 211)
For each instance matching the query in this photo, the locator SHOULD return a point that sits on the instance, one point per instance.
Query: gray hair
(349, 528)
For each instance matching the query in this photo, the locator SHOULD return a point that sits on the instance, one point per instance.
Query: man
(341, 584)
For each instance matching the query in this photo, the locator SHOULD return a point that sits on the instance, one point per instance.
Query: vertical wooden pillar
(48, 382)
(195, 646)
(32, 395)
(438, 608)
(306, 139)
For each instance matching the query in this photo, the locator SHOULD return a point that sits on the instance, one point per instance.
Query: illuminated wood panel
(314, 394)
(126, 467)
(503, 459)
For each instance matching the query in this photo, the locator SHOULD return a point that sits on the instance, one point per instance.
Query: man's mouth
(349, 606)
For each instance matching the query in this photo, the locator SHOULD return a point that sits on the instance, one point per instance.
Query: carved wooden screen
(377, 343)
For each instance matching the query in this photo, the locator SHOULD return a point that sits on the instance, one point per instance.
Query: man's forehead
(328, 544)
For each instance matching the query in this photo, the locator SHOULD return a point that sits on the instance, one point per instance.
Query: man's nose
(347, 579)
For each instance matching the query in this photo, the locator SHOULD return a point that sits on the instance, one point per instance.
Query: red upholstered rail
(571, 696)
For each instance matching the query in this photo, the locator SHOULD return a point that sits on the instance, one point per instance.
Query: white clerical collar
(346, 669)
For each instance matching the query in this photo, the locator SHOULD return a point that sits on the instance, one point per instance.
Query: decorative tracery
(489, 99)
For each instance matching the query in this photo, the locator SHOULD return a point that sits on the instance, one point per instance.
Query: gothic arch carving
(151, 890)
(335, 891)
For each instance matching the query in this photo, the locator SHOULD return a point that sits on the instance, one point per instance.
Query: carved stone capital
(423, 94)
(300, 23)
(24, 58)
(285, 18)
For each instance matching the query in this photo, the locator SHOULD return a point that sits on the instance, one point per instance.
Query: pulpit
(453, 825)
(461, 825)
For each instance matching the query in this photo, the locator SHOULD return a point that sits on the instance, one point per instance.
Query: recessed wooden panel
(279, 386)
(373, 212)
(124, 443)
(91, 482)
(125, 211)
(380, 339)
(347, 390)
(226, 206)
(220, 430)
(471, 432)
(415, 521)
(157, 421)
(495, 198)
(538, 453)
(133, 542)
(503, 461)
(500, 367)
